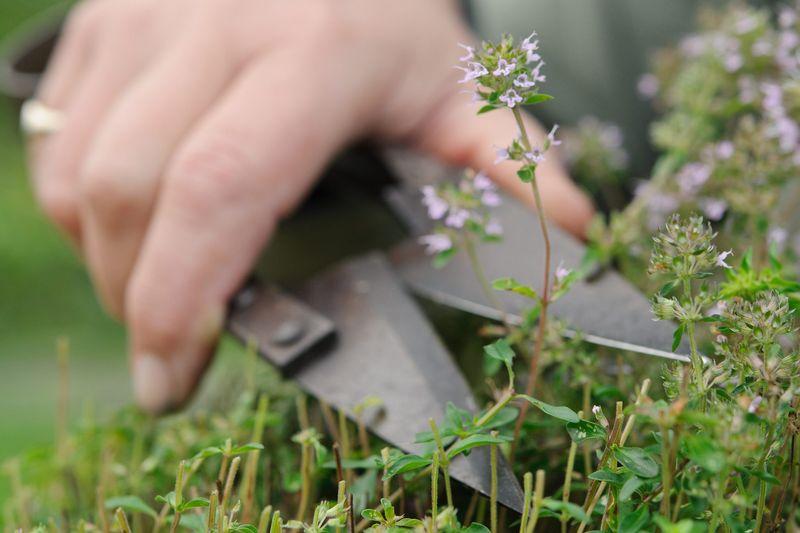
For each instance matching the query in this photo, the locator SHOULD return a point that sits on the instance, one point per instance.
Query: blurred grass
(44, 294)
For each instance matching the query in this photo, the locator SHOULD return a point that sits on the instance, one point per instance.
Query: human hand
(193, 126)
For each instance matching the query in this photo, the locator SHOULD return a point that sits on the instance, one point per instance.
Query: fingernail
(152, 383)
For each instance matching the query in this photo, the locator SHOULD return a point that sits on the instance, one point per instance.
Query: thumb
(457, 136)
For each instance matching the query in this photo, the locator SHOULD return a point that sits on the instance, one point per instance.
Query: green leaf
(537, 98)
(502, 351)
(705, 452)
(763, 475)
(131, 503)
(684, 526)
(678, 336)
(193, 504)
(372, 514)
(459, 418)
(667, 288)
(584, 430)
(635, 521)
(527, 173)
(349, 464)
(474, 441)
(631, 485)
(409, 522)
(637, 461)
(169, 499)
(512, 285)
(441, 259)
(249, 447)
(505, 416)
(208, 452)
(406, 463)
(561, 412)
(475, 528)
(487, 108)
(574, 511)
(244, 528)
(612, 478)
(388, 509)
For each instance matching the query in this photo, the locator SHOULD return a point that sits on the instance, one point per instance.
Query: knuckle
(112, 190)
(217, 173)
(156, 326)
(59, 205)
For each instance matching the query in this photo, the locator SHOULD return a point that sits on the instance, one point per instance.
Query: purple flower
(504, 68)
(551, 137)
(436, 243)
(753, 407)
(648, 86)
(511, 98)
(474, 71)
(747, 89)
(732, 61)
(562, 272)
(502, 155)
(787, 18)
(456, 218)
(536, 73)
(524, 81)
(493, 228)
(535, 156)
(724, 150)
(746, 24)
(470, 52)
(777, 236)
(761, 47)
(530, 47)
(692, 177)
(721, 259)
(491, 199)
(482, 182)
(714, 208)
(437, 206)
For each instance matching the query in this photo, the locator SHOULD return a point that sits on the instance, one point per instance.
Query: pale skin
(194, 126)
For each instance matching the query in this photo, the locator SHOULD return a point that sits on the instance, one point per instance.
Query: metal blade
(385, 347)
(607, 310)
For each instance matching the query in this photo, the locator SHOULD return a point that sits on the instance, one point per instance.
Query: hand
(193, 126)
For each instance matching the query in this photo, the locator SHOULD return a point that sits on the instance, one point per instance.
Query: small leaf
(441, 259)
(208, 452)
(574, 511)
(537, 98)
(612, 478)
(487, 108)
(677, 336)
(474, 441)
(372, 514)
(193, 504)
(586, 430)
(561, 412)
(502, 351)
(631, 485)
(527, 173)
(635, 521)
(388, 509)
(169, 499)
(475, 528)
(409, 522)
(406, 463)
(637, 461)
(131, 503)
(249, 447)
(512, 285)
(505, 416)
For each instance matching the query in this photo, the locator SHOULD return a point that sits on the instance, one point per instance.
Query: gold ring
(39, 119)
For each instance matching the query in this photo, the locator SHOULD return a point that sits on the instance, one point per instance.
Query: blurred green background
(44, 294)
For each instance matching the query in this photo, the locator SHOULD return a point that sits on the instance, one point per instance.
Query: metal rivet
(288, 332)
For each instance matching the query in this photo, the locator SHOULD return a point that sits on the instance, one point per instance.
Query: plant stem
(212, 511)
(122, 520)
(305, 487)
(493, 495)
(226, 494)
(491, 413)
(538, 498)
(444, 461)
(587, 452)
(545, 298)
(477, 268)
(697, 363)
(526, 506)
(434, 491)
(385, 487)
(666, 471)
(573, 448)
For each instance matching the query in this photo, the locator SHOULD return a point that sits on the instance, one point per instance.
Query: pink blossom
(504, 68)
(511, 98)
(714, 208)
(474, 71)
(536, 155)
(482, 182)
(524, 81)
(530, 47)
(436, 243)
(437, 206)
(470, 52)
(490, 198)
(502, 155)
(648, 86)
(456, 218)
(721, 259)
(493, 228)
(551, 137)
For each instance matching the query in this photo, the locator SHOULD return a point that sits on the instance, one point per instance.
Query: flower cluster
(506, 75)
(461, 211)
